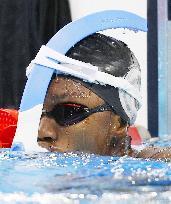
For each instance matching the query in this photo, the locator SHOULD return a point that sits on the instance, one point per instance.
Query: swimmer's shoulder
(153, 152)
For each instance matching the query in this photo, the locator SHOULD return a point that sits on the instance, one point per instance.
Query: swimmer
(94, 118)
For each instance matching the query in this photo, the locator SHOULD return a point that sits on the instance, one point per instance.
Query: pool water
(82, 178)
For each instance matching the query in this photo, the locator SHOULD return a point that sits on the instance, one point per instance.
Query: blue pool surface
(82, 178)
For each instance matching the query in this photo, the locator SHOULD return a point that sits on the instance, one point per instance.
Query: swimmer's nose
(47, 130)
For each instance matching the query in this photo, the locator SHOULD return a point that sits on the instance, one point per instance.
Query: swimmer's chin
(56, 149)
(68, 151)
(52, 148)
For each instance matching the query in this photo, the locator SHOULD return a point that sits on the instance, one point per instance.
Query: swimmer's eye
(66, 114)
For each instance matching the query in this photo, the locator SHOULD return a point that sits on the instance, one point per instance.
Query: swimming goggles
(66, 114)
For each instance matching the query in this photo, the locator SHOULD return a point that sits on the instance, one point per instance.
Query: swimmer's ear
(117, 127)
(119, 143)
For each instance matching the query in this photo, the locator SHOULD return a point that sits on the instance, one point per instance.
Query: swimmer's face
(93, 134)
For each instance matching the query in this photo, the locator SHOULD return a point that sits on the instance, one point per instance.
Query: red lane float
(8, 125)
(136, 137)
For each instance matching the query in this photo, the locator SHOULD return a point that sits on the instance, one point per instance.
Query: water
(82, 178)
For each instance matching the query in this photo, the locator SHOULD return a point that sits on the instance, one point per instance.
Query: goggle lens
(68, 113)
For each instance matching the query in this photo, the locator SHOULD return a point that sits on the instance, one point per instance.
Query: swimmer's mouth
(45, 142)
(46, 139)
(48, 144)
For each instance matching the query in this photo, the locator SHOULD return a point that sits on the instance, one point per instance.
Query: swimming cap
(113, 57)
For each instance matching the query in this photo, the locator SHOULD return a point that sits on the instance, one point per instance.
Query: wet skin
(94, 134)
(100, 133)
